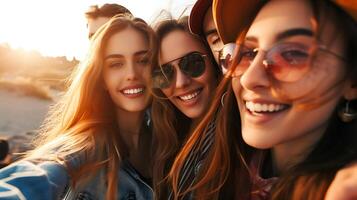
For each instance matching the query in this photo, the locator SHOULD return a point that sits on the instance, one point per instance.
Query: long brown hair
(171, 126)
(226, 164)
(82, 125)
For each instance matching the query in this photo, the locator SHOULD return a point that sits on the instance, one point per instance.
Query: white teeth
(257, 107)
(133, 91)
(189, 96)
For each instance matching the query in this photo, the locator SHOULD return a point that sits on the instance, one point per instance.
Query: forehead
(208, 23)
(280, 15)
(177, 44)
(126, 42)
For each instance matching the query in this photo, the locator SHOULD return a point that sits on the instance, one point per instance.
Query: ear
(350, 91)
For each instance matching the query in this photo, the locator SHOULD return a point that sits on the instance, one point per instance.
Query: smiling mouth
(261, 108)
(190, 96)
(133, 91)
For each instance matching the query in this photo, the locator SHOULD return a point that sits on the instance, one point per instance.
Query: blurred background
(41, 41)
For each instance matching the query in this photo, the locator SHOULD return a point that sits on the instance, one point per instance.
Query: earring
(347, 114)
(222, 98)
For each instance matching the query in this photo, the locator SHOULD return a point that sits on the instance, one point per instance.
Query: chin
(135, 109)
(254, 140)
(193, 114)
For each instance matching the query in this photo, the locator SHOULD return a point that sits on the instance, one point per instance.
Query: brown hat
(197, 16)
(231, 16)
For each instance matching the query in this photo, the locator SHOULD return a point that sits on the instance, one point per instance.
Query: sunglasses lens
(162, 76)
(193, 64)
(246, 57)
(288, 62)
(226, 56)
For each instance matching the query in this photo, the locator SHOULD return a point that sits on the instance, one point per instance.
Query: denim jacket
(50, 180)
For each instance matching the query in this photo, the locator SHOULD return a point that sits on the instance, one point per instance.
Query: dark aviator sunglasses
(191, 64)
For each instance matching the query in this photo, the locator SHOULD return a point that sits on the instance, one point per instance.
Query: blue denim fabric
(49, 180)
(25, 180)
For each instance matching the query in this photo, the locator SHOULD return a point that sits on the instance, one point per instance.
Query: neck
(194, 123)
(291, 153)
(138, 145)
(129, 124)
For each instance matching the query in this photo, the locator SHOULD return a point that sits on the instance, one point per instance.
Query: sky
(58, 27)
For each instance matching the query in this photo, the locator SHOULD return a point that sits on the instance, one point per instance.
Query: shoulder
(25, 179)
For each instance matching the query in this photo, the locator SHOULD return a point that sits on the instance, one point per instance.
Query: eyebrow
(141, 52)
(209, 32)
(286, 34)
(121, 56)
(294, 32)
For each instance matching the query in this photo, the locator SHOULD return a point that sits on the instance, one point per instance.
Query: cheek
(111, 79)
(324, 76)
(167, 92)
(209, 77)
(108, 80)
(236, 87)
(147, 75)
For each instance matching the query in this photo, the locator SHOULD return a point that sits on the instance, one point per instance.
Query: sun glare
(58, 27)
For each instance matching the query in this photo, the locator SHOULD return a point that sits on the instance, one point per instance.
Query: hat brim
(232, 16)
(197, 16)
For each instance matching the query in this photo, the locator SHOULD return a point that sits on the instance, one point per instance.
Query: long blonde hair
(83, 123)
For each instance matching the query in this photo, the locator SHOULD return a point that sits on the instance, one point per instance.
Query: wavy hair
(82, 124)
(171, 126)
(225, 174)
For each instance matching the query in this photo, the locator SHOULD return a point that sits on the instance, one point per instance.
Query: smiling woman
(184, 84)
(287, 125)
(122, 82)
(96, 141)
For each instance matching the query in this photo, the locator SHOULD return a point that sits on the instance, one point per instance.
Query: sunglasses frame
(267, 63)
(227, 49)
(169, 79)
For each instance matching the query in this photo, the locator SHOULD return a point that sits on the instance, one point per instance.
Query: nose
(256, 76)
(182, 80)
(131, 72)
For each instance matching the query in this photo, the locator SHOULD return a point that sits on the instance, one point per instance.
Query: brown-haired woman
(183, 84)
(96, 142)
(288, 122)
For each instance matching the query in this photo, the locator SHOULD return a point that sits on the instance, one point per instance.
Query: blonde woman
(96, 142)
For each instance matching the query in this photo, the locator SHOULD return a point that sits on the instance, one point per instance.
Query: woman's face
(190, 95)
(127, 68)
(280, 108)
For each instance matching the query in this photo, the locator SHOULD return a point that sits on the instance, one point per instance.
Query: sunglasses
(192, 65)
(225, 56)
(286, 62)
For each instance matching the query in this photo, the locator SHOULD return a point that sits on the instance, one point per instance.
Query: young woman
(96, 142)
(287, 123)
(183, 85)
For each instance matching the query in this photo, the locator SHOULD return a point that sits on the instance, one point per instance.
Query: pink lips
(189, 98)
(133, 91)
(263, 111)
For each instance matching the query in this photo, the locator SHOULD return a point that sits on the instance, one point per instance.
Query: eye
(143, 61)
(167, 69)
(213, 39)
(295, 56)
(116, 65)
(248, 53)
